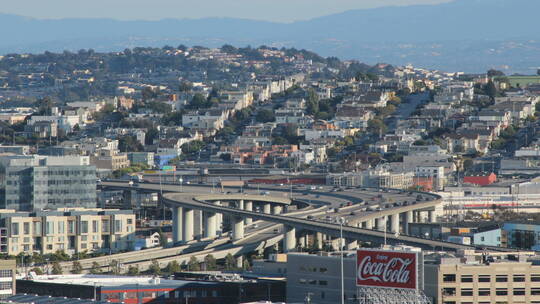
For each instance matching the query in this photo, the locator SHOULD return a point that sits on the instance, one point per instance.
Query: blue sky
(273, 10)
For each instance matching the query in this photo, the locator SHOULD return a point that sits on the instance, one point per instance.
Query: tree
(96, 269)
(133, 270)
(467, 164)
(376, 126)
(494, 73)
(210, 262)
(160, 107)
(37, 270)
(76, 268)
(154, 268)
(491, 90)
(114, 267)
(265, 115)
(56, 268)
(193, 264)
(162, 239)
(199, 102)
(230, 262)
(193, 147)
(129, 143)
(185, 86)
(172, 267)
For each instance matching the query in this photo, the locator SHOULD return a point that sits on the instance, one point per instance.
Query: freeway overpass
(369, 223)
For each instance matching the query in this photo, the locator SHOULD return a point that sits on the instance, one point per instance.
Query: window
(105, 226)
(519, 278)
(519, 291)
(466, 292)
(71, 227)
(466, 279)
(501, 278)
(61, 227)
(323, 283)
(501, 292)
(37, 228)
(95, 226)
(449, 291)
(482, 292)
(14, 228)
(535, 291)
(535, 277)
(49, 228)
(26, 228)
(84, 226)
(482, 239)
(449, 277)
(484, 279)
(117, 226)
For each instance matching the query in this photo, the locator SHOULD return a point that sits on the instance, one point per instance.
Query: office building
(69, 230)
(29, 183)
(8, 269)
(470, 277)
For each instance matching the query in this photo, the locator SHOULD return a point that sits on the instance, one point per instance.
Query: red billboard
(387, 269)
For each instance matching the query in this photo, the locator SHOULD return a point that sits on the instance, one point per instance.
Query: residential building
(146, 158)
(72, 230)
(109, 159)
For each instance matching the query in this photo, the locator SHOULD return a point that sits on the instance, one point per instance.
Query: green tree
(193, 147)
(114, 267)
(491, 90)
(37, 270)
(193, 264)
(56, 268)
(265, 115)
(172, 267)
(230, 262)
(160, 107)
(96, 269)
(376, 126)
(199, 102)
(76, 268)
(154, 268)
(60, 255)
(128, 143)
(185, 86)
(210, 262)
(133, 270)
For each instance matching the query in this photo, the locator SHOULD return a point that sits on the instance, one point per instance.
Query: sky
(271, 10)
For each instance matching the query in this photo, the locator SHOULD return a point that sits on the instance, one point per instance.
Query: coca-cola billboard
(387, 269)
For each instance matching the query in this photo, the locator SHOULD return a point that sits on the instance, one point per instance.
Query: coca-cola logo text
(386, 269)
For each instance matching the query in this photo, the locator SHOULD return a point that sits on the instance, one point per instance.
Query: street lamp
(341, 221)
(181, 181)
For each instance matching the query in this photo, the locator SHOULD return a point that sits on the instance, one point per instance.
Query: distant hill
(469, 35)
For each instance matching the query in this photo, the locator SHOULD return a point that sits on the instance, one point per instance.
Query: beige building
(473, 277)
(7, 278)
(71, 230)
(110, 159)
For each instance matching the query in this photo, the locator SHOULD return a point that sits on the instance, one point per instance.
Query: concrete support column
(352, 245)
(238, 228)
(381, 223)
(394, 223)
(278, 209)
(241, 204)
(177, 217)
(248, 207)
(198, 223)
(219, 218)
(267, 208)
(408, 219)
(368, 224)
(318, 240)
(188, 225)
(210, 224)
(431, 217)
(290, 239)
(239, 262)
